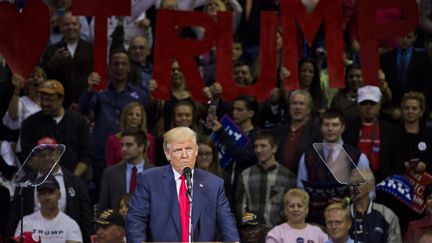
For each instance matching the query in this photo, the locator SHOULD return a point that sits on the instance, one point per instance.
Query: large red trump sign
(292, 18)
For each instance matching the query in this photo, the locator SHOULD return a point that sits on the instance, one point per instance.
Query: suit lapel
(198, 198)
(171, 196)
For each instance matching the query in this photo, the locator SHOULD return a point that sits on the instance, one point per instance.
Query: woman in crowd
(309, 80)
(184, 115)
(207, 158)
(133, 118)
(417, 152)
(296, 229)
(416, 135)
(22, 107)
(179, 91)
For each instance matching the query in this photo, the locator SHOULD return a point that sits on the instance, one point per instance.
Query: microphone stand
(189, 195)
(21, 187)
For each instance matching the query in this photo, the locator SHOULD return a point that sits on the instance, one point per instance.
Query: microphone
(347, 201)
(187, 173)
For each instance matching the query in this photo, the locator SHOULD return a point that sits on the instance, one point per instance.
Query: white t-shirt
(284, 233)
(26, 108)
(59, 229)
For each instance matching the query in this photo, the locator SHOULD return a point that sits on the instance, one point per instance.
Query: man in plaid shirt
(262, 186)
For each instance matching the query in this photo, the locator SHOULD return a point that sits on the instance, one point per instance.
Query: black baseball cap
(252, 218)
(49, 183)
(110, 217)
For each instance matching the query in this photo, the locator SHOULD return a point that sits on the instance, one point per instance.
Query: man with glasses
(139, 51)
(66, 127)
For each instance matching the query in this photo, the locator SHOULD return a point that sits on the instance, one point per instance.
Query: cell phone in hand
(212, 110)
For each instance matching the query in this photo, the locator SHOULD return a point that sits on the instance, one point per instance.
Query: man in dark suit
(158, 211)
(121, 178)
(406, 69)
(70, 60)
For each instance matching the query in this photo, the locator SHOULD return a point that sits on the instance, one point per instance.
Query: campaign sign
(399, 187)
(233, 131)
(418, 182)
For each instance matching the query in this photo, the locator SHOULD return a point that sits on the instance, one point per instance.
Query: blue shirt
(144, 76)
(107, 106)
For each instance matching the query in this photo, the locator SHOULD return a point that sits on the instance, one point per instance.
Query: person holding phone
(70, 60)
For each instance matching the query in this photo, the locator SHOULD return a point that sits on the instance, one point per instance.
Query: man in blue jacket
(156, 212)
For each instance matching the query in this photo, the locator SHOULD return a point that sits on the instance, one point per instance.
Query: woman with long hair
(133, 118)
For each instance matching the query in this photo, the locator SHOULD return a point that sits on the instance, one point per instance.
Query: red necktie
(133, 180)
(184, 211)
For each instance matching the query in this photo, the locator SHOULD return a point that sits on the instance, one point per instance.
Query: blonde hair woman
(296, 229)
(133, 118)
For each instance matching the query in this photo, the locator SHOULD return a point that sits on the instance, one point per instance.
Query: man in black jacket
(66, 127)
(70, 60)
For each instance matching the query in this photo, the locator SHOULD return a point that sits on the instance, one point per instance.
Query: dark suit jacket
(114, 186)
(77, 205)
(418, 75)
(154, 213)
(72, 131)
(391, 152)
(73, 73)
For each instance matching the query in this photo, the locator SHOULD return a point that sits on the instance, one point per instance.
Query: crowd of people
(266, 157)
